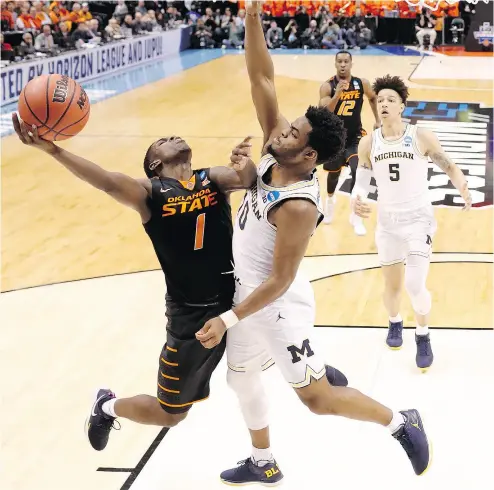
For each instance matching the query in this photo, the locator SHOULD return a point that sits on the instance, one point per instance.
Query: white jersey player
(397, 155)
(273, 313)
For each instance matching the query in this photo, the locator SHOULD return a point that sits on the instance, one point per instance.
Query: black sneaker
(395, 335)
(411, 435)
(99, 424)
(424, 355)
(249, 473)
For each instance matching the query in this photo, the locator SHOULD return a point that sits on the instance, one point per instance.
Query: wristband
(229, 318)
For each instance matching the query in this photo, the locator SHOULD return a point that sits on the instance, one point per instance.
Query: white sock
(422, 330)
(397, 421)
(395, 319)
(261, 457)
(109, 407)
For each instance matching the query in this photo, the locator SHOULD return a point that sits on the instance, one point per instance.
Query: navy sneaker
(395, 335)
(249, 473)
(99, 424)
(424, 355)
(335, 377)
(412, 437)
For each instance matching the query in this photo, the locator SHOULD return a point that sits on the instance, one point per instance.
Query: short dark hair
(392, 83)
(343, 52)
(148, 159)
(328, 133)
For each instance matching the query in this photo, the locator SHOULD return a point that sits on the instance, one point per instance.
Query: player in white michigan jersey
(273, 314)
(397, 156)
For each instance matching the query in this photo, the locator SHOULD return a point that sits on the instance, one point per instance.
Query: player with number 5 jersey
(397, 156)
(186, 214)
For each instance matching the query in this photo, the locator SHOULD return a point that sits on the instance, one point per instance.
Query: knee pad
(416, 272)
(252, 397)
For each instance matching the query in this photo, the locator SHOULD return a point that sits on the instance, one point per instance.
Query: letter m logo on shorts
(296, 352)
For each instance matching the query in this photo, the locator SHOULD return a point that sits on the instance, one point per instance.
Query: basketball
(56, 104)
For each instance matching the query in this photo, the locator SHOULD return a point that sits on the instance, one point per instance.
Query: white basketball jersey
(400, 171)
(254, 236)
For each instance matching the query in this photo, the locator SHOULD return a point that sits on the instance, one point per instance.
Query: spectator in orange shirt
(84, 12)
(41, 15)
(26, 21)
(7, 14)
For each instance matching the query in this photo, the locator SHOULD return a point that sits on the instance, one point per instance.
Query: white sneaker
(358, 225)
(329, 209)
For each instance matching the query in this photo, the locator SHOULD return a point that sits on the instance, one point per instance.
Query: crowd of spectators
(44, 28)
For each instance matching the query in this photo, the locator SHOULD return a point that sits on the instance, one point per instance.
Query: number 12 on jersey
(200, 225)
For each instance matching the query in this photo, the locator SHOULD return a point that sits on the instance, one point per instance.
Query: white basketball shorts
(280, 334)
(399, 235)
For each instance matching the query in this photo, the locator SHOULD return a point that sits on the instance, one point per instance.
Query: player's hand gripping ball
(57, 105)
(211, 334)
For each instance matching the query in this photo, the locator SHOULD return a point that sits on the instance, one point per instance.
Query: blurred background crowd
(45, 28)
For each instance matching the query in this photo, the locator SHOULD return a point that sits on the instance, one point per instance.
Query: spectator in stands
(235, 35)
(331, 38)
(42, 14)
(240, 19)
(302, 18)
(25, 21)
(425, 27)
(94, 31)
(44, 42)
(203, 36)
(5, 46)
(84, 13)
(8, 15)
(153, 22)
(274, 36)
(113, 31)
(63, 38)
(127, 27)
(27, 48)
(81, 35)
(311, 38)
(141, 7)
(364, 36)
(293, 40)
(121, 10)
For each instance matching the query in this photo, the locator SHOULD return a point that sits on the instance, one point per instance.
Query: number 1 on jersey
(200, 224)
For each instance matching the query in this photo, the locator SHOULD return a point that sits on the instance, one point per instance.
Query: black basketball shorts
(350, 153)
(185, 366)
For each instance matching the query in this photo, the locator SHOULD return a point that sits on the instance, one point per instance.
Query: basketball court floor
(82, 299)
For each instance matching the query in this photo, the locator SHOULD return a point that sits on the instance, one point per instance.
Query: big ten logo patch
(297, 352)
(187, 204)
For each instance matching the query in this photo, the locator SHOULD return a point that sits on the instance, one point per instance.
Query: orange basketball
(56, 104)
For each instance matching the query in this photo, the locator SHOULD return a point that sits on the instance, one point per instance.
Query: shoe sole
(279, 482)
(394, 348)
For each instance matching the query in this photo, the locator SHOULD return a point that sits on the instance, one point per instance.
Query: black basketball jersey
(191, 231)
(349, 106)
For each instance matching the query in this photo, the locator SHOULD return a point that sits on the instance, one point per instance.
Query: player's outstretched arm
(362, 179)
(372, 98)
(261, 74)
(242, 173)
(430, 146)
(295, 222)
(123, 188)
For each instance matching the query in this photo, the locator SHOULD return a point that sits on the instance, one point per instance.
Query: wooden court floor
(60, 342)
(56, 228)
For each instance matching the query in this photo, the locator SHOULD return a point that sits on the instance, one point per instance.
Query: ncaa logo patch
(408, 141)
(273, 196)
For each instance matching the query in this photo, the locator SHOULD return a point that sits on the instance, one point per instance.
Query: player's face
(343, 65)
(389, 104)
(292, 143)
(171, 149)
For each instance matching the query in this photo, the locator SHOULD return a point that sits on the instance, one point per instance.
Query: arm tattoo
(442, 161)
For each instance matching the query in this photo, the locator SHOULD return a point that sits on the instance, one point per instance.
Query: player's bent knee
(318, 397)
(169, 419)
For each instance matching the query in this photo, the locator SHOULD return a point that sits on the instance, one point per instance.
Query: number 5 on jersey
(394, 172)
